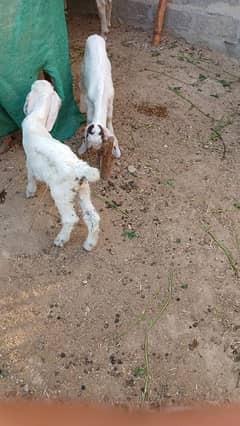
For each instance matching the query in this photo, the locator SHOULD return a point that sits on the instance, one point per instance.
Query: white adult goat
(96, 95)
(54, 163)
(105, 13)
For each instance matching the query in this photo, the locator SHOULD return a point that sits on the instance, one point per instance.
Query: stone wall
(213, 22)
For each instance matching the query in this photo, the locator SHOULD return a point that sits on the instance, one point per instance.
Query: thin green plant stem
(150, 327)
(178, 93)
(110, 204)
(225, 250)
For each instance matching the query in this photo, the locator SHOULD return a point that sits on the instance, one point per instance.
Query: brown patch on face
(101, 132)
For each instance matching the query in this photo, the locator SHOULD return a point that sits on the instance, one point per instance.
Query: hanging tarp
(33, 37)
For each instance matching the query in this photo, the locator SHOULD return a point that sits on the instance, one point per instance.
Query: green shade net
(33, 37)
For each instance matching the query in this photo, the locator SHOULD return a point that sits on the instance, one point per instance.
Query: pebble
(132, 170)
(26, 388)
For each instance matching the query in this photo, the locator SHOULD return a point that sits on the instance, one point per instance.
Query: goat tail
(87, 172)
(92, 174)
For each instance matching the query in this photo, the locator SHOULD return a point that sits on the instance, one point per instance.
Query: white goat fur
(50, 161)
(97, 95)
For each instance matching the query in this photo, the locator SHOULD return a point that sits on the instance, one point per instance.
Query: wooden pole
(105, 158)
(162, 5)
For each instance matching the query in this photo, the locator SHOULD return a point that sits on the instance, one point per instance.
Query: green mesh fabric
(33, 37)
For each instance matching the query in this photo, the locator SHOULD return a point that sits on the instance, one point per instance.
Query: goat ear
(25, 106)
(53, 111)
(83, 148)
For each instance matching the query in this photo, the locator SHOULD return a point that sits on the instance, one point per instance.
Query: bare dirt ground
(153, 312)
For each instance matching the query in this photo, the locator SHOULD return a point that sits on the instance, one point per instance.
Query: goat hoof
(30, 194)
(88, 246)
(116, 153)
(59, 242)
(105, 33)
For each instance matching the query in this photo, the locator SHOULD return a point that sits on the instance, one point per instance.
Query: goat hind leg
(31, 184)
(68, 216)
(82, 104)
(116, 150)
(90, 110)
(90, 216)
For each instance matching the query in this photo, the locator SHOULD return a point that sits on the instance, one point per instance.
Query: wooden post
(105, 158)
(162, 5)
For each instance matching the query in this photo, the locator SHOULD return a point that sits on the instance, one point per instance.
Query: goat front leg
(90, 217)
(64, 203)
(109, 12)
(90, 111)
(101, 5)
(116, 150)
(82, 104)
(31, 184)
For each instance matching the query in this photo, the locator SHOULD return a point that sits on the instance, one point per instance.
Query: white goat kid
(50, 161)
(97, 95)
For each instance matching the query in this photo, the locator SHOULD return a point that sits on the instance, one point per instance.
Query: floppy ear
(25, 107)
(53, 111)
(83, 148)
